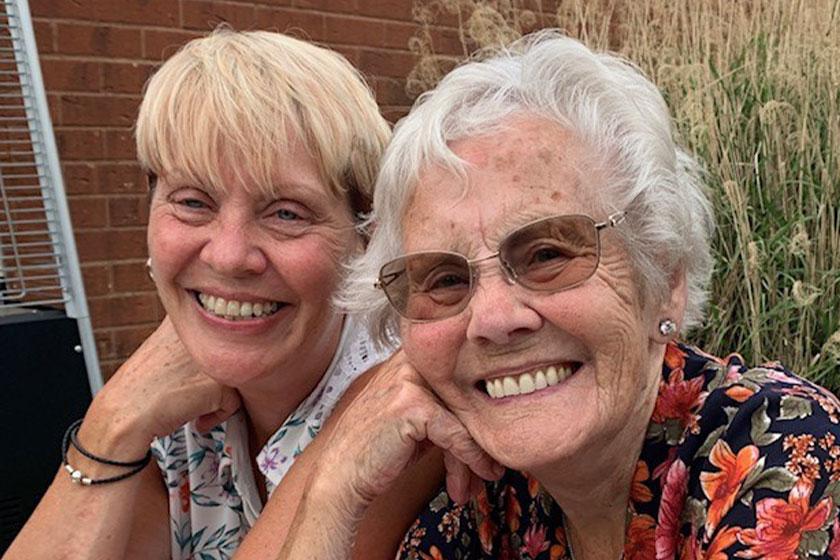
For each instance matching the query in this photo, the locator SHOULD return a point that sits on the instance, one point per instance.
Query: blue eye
(192, 203)
(287, 215)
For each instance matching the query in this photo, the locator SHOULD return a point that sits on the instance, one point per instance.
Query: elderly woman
(541, 241)
(261, 152)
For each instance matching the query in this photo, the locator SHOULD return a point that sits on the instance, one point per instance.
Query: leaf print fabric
(213, 499)
(737, 463)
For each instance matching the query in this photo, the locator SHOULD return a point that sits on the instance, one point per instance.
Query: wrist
(112, 433)
(336, 496)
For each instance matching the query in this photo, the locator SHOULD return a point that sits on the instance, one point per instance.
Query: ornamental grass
(754, 87)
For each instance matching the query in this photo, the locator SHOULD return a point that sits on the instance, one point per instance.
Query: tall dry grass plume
(755, 90)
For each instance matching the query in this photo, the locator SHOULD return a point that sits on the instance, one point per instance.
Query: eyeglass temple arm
(612, 220)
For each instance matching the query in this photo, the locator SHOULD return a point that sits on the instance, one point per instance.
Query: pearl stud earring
(667, 327)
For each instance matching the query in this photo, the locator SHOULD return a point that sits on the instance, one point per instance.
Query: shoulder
(766, 453)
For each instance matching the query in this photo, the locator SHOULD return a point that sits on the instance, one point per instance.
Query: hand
(386, 428)
(158, 389)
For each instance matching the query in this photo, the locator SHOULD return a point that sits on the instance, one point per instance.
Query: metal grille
(39, 268)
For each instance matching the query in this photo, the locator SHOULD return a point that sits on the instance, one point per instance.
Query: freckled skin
(532, 170)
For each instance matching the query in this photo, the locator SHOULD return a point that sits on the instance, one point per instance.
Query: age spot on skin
(545, 156)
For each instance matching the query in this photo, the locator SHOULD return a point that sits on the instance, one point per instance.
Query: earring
(667, 327)
(149, 269)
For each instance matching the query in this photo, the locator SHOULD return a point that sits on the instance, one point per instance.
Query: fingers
(228, 405)
(445, 431)
(458, 478)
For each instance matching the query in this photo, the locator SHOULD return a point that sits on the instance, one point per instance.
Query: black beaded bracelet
(79, 478)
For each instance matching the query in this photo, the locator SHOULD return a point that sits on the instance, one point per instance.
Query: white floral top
(213, 499)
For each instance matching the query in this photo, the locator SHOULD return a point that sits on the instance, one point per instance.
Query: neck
(593, 487)
(268, 402)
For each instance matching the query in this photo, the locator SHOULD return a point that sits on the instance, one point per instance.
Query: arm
(377, 439)
(386, 520)
(69, 521)
(157, 390)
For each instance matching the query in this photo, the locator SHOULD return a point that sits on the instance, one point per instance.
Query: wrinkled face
(579, 358)
(247, 279)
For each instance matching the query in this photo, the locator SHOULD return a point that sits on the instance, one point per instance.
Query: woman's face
(595, 336)
(247, 279)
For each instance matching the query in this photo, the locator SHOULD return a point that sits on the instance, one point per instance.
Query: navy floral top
(737, 463)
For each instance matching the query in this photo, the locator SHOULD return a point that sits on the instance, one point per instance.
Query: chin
(232, 369)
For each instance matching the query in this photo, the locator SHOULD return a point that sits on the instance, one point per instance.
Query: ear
(672, 308)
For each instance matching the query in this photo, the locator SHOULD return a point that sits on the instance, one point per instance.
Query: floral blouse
(213, 499)
(737, 463)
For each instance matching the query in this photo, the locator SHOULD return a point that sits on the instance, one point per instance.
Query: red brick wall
(97, 54)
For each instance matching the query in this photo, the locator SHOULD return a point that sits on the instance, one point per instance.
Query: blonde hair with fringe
(237, 101)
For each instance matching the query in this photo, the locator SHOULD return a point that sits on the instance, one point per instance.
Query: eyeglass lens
(547, 255)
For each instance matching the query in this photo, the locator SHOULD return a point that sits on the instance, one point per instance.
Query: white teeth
(551, 376)
(511, 388)
(234, 310)
(526, 383)
(491, 388)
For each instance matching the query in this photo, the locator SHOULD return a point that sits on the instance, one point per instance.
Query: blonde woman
(261, 152)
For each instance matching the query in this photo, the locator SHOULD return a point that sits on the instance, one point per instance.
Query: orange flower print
(739, 393)
(639, 492)
(486, 534)
(640, 543)
(690, 547)
(434, 554)
(486, 527)
(184, 494)
(513, 509)
(679, 399)
(780, 524)
(722, 487)
(674, 357)
(533, 485)
(725, 538)
(558, 550)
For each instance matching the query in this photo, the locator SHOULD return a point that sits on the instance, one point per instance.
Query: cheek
(433, 348)
(310, 266)
(170, 245)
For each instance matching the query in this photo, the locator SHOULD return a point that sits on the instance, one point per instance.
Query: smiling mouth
(529, 382)
(236, 310)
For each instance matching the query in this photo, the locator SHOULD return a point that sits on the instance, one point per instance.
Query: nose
(232, 250)
(497, 313)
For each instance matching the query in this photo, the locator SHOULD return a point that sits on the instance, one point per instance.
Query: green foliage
(754, 88)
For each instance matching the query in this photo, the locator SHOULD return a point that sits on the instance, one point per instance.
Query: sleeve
(766, 484)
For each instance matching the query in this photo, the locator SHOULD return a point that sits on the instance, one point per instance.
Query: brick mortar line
(180, 28)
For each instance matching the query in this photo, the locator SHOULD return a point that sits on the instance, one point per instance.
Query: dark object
(45, 387)
(73, 434)
(79, 478)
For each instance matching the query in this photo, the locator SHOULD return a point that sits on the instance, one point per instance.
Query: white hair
(602, 99)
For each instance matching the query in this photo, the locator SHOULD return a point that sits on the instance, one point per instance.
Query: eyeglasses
(548, 255)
